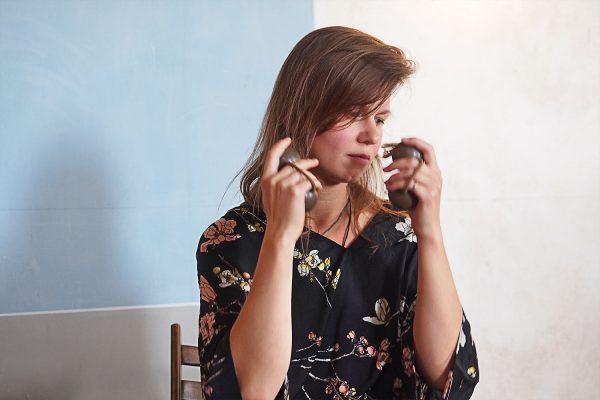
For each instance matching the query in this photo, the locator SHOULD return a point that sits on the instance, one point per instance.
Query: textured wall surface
(121, 124)
(117, 121)
(508, 93)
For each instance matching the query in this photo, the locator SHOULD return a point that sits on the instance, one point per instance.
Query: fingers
(292, 175)
(423, 180)
(399, 184)
(292, 180)
(305, 165)
(289, 174)
(406, 169)
(403, 180)
(271, 165)
(296, 182)
(403, 164)
(423, 147)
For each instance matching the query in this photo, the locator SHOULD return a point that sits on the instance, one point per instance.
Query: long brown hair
(331, 74)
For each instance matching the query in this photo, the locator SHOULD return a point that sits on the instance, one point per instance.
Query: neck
(332, 199)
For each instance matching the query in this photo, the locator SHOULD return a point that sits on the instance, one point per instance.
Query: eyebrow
(384, 112)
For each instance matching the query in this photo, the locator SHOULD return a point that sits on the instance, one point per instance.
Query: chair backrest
(183, 355)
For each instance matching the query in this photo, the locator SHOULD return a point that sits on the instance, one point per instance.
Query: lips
(363, 156)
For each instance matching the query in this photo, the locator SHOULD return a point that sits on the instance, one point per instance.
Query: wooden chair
(183, 355)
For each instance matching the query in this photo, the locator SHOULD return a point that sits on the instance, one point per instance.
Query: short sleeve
(223, 290)
(464, 373)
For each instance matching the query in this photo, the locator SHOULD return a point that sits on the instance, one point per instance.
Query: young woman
(323, 304)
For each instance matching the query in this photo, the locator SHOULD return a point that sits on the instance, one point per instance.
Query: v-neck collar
(351, 244)
(376, 219)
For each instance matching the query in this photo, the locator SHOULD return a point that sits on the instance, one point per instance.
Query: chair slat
(183, 355)
(190, 356)
(175, 361)
(191, 390)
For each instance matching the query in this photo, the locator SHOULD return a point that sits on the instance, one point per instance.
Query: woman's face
(345, 152)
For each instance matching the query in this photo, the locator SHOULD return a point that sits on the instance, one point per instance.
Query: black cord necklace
(348, 205)
(348, 225)
(338, 218)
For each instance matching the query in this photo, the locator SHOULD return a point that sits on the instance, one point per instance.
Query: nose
(370, 133)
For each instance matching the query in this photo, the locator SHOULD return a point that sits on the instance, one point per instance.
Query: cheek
(329, 146)
(339, 142)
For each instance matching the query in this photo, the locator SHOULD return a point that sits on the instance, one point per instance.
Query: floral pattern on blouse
(406, 228)
(220, 231)
(317, 270)
(382, 313)
(351, 331)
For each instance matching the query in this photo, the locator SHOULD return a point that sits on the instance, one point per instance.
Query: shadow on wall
(65, 253)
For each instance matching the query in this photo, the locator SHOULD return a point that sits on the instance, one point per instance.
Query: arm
(455, 373)
(261, 337)
(245, 324)
(438, 313)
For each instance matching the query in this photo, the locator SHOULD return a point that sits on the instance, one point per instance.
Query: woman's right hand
(283, 192)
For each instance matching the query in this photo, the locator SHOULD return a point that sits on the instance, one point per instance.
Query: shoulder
(394, 224)
(238, 224)
(243, 215)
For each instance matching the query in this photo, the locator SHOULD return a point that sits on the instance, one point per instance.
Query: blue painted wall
(121, 124)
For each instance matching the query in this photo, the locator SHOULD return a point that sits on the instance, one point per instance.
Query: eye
(379, 121)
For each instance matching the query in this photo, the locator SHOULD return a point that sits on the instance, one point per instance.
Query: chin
(352, 179)
(352, 175)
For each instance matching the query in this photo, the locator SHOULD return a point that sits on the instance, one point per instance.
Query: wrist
(433, 236)
(279, 239)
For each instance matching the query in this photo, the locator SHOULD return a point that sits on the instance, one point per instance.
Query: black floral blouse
(352, 313)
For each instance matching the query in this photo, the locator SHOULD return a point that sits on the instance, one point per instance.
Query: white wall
(119, 354)
(508, 93)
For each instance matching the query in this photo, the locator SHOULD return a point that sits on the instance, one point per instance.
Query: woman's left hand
(425, 181)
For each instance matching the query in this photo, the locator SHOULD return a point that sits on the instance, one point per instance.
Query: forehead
(384, 107)
(373, 108)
